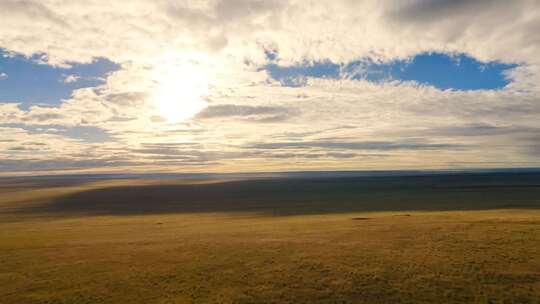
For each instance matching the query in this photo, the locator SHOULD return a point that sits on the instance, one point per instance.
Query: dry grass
(483, 256)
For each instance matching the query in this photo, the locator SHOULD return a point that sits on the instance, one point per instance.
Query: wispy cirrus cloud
(359, 145)
(247, 112)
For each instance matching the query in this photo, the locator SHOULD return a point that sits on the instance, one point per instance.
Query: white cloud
(70, 78)
(336, 30)
(3, 76)
(227, 41)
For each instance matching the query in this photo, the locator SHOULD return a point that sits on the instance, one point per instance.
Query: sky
(274, 85)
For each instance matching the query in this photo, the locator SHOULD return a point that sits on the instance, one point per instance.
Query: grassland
(432, 239)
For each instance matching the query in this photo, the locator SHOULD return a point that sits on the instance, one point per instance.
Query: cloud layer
(254, 122)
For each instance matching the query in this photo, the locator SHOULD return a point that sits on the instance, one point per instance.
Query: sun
(182, 86)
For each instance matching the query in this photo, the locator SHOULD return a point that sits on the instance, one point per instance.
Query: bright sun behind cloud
(181, 89)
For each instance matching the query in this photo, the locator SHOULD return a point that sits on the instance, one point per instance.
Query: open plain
(448, 238)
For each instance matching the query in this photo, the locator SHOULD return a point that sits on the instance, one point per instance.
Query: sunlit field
(417, 239)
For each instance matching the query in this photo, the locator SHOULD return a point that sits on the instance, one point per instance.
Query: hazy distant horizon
(281, 174)
(268, 86)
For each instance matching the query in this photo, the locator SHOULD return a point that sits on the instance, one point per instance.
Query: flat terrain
(462, 238)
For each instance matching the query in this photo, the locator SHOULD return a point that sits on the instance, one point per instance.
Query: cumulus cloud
(295, 29)
(3, 76)
(253, 120)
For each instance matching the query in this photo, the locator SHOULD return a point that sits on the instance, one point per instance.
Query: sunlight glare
(182, 87)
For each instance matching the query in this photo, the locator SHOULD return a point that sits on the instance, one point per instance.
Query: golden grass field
(261, 242)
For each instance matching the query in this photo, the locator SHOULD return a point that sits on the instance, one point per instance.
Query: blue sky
(27, 81)
(456, 72)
